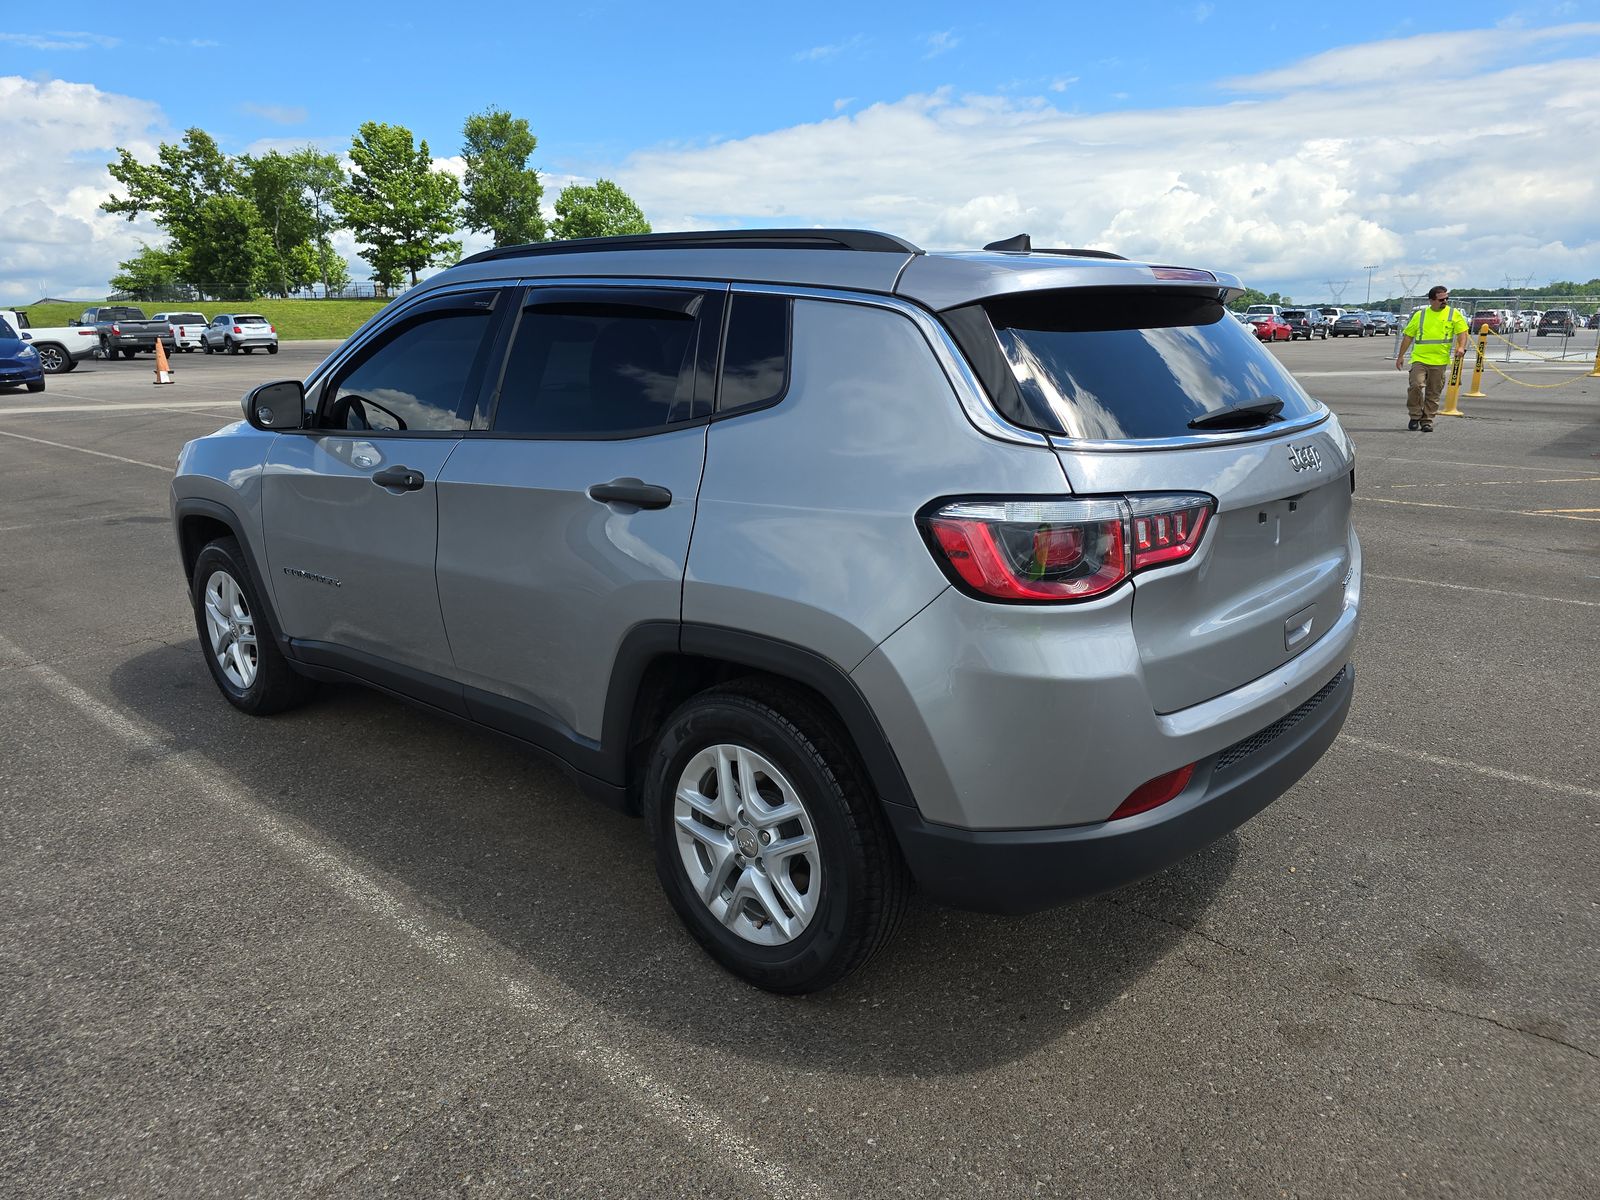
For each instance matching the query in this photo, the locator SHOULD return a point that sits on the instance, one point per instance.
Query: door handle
(631, 491)
(403, 478)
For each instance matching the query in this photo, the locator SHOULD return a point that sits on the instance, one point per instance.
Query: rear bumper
(1027, 870)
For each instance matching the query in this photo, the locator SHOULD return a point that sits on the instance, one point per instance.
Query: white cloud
(938, 43)
(1202, 12)
(843, 102)
(1243, 186)
(53, 237)
(280, 114)
(820, 53)
(61, 41)
(1426, 57)
(1063, 83)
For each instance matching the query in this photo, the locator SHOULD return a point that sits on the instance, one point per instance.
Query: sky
(1292, 144)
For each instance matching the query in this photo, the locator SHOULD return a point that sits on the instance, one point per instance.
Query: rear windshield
(122, 314)
(1294, 314)
(185, 319)
(1143, 365)
(249, 319)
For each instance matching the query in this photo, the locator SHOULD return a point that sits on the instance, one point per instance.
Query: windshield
(1144, 367)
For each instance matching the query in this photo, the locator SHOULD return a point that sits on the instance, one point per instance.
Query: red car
(1270, 328)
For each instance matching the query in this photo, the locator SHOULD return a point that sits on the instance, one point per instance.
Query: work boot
(1414, 424)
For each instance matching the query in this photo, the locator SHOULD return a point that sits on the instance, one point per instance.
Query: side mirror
(27, 337)
(274, 406)
(72, 324)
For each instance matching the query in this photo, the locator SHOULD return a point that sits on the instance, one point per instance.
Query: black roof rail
(708, 239)
(1023, 244)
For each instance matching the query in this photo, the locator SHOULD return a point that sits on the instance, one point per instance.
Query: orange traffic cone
(163, 371)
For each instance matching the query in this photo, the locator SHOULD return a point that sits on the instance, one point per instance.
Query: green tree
(1251, 296)
(234, 254)
(321, 178)
(600, 210)
(276, 185)
(501, 194)
(397, 205)
(151, 274)
(173, 189)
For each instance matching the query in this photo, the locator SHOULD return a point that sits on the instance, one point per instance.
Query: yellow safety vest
(1434, 351)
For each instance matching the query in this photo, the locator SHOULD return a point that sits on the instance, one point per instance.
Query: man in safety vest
(1435, 331)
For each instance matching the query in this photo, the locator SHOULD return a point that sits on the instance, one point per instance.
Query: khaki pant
(1425, 406)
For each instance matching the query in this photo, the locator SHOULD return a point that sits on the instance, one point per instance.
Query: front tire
(769, 841)
(36, 385)
(235, 637)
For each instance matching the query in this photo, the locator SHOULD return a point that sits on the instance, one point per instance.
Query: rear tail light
(117, 329)
(236, 329)
(1058, 551)
(272, 329)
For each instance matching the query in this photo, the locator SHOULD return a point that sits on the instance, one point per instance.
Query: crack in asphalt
(1413, 1005)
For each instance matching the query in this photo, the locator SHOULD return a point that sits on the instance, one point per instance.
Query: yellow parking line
(1564, 515)
(1491, 482)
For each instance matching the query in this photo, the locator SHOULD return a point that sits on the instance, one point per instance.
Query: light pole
(1369, 271)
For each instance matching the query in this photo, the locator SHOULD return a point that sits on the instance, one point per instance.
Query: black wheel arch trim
(650, 640)
(196, 506)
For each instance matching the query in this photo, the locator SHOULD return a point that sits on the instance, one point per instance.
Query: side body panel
(352, 562)
(806, 529)
(539, 583)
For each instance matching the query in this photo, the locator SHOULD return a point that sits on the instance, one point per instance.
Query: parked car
(825, 648)
(124, 330)
(1331, 314)
(186, 328)
(1594, 320)
(19, 361)
(1306, 322)
(1263, 310)
(1385, 322)
(1557, 321)
(60, 349)
(1353, 324)
(232, 332)
(1270, 328)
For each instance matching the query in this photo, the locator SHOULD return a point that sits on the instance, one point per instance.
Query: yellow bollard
(1595, 374)
(1451, 408)
(1477, 367)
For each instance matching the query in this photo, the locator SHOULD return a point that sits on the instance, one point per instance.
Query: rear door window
(600, 363)
(1103, 365)
(755, 363)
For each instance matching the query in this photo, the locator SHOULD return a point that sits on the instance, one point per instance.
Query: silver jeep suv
(1015, 574)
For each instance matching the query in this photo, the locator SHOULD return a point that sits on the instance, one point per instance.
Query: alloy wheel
(747, 844)
(232, 630)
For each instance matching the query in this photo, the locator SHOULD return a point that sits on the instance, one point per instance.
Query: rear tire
(752, 761)
(129, 353)
(230, 346)
(236, 639)
(272, 349)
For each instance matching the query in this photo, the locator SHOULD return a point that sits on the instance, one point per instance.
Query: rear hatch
(1157, 391)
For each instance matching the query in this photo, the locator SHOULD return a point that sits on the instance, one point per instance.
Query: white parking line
(99, 407)
(1461, 764)
(138, 462)
(1463, 587)
(552, 1008)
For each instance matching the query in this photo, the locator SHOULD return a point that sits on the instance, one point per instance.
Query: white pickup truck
(59, 348)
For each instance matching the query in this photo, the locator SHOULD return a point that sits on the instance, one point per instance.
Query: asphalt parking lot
(355, 951)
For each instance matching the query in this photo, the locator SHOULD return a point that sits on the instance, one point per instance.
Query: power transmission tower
(1369, 271)
(1407, 282)
(1336, 290)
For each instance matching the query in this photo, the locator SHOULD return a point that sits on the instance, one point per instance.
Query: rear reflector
(1155, 793)
(1193, 273)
